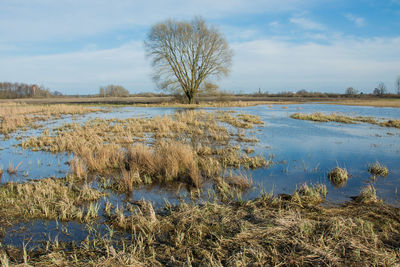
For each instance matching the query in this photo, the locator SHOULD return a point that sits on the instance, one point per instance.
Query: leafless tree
(113, 90)
(351, 91)
(380, 90)
(398, 85)
(185, 55)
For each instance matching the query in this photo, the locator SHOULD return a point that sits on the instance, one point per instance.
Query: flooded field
(258, 150)
(301, 151)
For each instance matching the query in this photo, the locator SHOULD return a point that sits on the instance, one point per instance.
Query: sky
(76, 46)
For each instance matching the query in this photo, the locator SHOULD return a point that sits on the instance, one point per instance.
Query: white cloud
(358, 21)
(83, 72)
(39, 20)
(306, 23)
(280, 65)
(274, 24)
(269, 64)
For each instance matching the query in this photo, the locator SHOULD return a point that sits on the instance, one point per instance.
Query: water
(303, 152)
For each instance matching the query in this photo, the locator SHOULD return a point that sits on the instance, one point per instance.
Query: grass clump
(378, 170)
(310, 195)
(254, 119)
(13, 169)
(391, 123)
(338, 176)
(367, 195)
(166, 162)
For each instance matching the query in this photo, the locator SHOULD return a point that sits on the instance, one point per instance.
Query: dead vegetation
(185, 147)
(189, 147)
(378, 170)
(335, 117)
(15, 116)
(48, 198)
(338, 176)
(290, 231)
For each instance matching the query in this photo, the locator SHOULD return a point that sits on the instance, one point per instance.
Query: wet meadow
(228, 185)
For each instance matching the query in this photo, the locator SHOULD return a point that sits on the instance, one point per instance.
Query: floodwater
(301, 151)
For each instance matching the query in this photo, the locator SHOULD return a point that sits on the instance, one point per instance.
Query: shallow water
(302, 152)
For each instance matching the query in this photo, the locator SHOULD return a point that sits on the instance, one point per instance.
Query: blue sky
(319, 45)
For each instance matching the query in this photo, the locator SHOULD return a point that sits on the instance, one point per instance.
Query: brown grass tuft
(338, 176)
(367, 195)
(11, 169)
(378, 169)
(78, 168)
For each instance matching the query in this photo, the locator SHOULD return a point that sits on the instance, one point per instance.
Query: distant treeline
(350, 92)
(23, 90)
(113, 90)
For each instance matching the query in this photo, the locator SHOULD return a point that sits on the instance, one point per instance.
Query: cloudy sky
(75, 46)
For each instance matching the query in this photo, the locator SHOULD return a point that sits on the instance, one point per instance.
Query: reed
(13, 169)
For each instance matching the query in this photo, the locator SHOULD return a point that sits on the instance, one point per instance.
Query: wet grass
(378, 169)
(60, 199)
(187, 147)
(292, 231)
(338, 176)
(367, 195)
(320, 117)
(14, 116)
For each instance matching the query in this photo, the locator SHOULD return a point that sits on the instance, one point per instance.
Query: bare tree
(398, 85)
(381, 89)
(186, 54)
(113, 90)
(351, 91)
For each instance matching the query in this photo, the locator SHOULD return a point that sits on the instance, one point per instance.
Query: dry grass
(306, 195)
(47, 198)
(262, 232)
(15, 116)
(338, 176)
(367, 195)
(185, 147)
(254, 119)
(320, 117)
(168, 161)
(78, 168)
(378, 169)
(11, 169)
(383, 102)
(391, 123)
